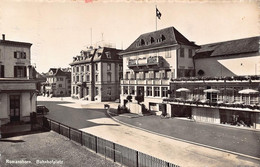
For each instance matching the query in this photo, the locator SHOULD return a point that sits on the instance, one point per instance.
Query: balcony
(152, 60)
(147, 81)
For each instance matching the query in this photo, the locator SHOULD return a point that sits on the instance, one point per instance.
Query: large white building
(17, 86)
(96, 74)
(150, 62)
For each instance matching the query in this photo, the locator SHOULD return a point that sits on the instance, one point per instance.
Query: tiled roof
(14, 43)
(245, 45)
(103, 53)
(58, 72)
(160, 38)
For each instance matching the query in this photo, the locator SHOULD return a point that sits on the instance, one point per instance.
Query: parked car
(41, 109)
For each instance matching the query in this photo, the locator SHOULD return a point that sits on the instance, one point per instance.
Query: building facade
(17, 84)
(58, 82)
(150, 62)
(96, 74)
(224, 91)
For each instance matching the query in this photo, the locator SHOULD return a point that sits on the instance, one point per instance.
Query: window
(87, 68)
(125, 89)
(168, 53)
(69, 80)
(108, 54)
(146, 75)
(77, 69)
(87, 78)
(157, 74)
(82, 68)
(20, 71)
(74, 79)
(137, 75)
(60, 85)
(96, 91)
(82, 78)
(149, 91)
(61, 79)
(168, 74)
(182, 52)
(77, 78)
(96, 78)
(131, 90)
(156, 91)
(96, 66)
(164, 91)
(190, 53)
(19, 55)
(109, 91)
(108, 67)
(127, 75)
(108, 77)
(2, 71)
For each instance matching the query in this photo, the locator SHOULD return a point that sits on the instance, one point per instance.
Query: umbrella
(248, 91)
(211, 91)
(182, 90)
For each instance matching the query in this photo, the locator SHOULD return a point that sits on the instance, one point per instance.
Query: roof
(245, 45)
(107, 54)
(58, 72)
(164, 37)
(85, 57)
(15, 43)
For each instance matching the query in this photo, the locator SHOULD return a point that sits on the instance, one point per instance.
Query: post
(59, 128)
(96, 141)
(81, 140)
(69, 134)
(156, 17)
(137, 163)
(114, 148)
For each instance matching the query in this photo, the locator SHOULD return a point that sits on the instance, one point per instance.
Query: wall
(4, 105)
(208, 115)
(8, 60)
(243, 64)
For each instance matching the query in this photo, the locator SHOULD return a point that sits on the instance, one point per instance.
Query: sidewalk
(232, 140)
(48, 149)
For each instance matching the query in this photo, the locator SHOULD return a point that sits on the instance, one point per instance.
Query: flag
(158, 14)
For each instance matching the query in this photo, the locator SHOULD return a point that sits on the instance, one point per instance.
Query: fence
(120, 154)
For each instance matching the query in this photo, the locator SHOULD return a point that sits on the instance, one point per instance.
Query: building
(58, 82)
(17, 83)
(96, 74)
(150, 62)
(226, 87)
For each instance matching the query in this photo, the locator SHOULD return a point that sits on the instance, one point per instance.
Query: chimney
(3, 35)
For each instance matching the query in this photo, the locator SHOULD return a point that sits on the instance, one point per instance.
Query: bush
(129, 98)
(139, 99)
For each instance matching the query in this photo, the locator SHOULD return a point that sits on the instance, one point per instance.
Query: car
(41, 109)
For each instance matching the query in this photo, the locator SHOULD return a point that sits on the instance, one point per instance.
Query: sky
(60, 29)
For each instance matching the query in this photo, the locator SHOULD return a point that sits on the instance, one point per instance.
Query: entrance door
(14, 108)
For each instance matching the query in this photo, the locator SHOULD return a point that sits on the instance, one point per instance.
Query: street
(96, 122)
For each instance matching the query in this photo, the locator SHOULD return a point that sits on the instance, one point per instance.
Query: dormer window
(152, 40)
(99, 54)
(108, 54)
(163, 37)
(142, 42)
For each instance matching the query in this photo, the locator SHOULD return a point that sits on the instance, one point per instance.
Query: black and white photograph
(134, 83)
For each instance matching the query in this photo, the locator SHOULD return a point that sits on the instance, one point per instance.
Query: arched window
(163, 37)
(142, 42)
(152, 40)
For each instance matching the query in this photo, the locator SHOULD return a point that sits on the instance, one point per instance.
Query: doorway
(14, 108)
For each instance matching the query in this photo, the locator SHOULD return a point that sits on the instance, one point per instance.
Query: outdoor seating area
(245, 98)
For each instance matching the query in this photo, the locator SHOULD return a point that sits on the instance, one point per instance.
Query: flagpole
(156, 17)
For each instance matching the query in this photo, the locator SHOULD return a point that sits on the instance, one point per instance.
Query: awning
(211, 91)
(182, 90)
(248, 91)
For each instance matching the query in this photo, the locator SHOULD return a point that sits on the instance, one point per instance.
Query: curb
(182, 140)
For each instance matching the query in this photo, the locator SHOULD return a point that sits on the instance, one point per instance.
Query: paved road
(76, 117)
(233, 139)
(96, 122)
